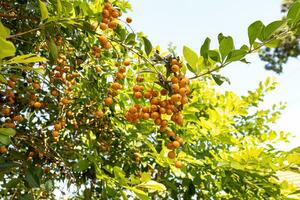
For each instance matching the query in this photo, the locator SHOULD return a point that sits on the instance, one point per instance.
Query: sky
(189, 22)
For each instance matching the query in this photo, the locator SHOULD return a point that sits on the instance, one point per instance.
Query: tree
(88, 103)
(289, 47)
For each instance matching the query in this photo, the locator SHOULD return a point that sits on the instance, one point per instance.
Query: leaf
(148, 45)
(226, 46)
(204, 48)
(153, 185)
(82, 165)
(139, 193)
(32, 177)
(59, 8)
(254, 30)
(44, 10)
(236, 55)
(214, 54)
(28, 58)
(294, 13)
(53, 50)
(191, 57)
(4, 140)
(271, 29)
(130, 38)
(4, 32)
(218, 79)
(26, 197)
(8, 132)
(7, 48)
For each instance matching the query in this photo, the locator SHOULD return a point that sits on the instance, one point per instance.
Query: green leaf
(53, 50)
(130, 38)
(153, 186)
(5, 140)
(254, 30)
(8, 132)
(294, 13)
(7, 48)
(148, 45)
(236, 55)
(59, 8)
(273, 43)
(82, 165)
(28, 58)
(44, 10)
(204, 48)
(26, 197)
(32, 177)
(139, 193)
(4, 32)
(226, 46)
(272, 28)
(218, 79)
(214, 54)
(191, 57)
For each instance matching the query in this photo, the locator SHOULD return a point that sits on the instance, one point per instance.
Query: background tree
(88, 103)
(289, 47)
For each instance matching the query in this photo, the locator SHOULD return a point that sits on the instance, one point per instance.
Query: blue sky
(189, 22)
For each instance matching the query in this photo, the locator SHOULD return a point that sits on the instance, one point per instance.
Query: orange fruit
(99, 114)
(3, 149)
(128, 20)
(172, 154)
(154, 115)
(103, 40)
(6, 111)
(164, 92)
(170, 133)
(57, 126)
(55, 134)
(103, 26)
(178, 164)
(138, 95)
(175, 68)
(176, 144)
(147, 95)
(174, 80)
(108, 101)
(37, 105)
(170, 145)
(146, 116)
(126, 62)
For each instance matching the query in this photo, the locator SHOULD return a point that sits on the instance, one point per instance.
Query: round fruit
(108, 101)
(172, 154)
(178, 164)
(126, 62)
(6, 111)
(55, 134)
(99, 114)
(138, 95)
(175, 68)
(176, 144)
(103, 26)
(170, 133)
(128, 20)
(3, 149)
(37, 105)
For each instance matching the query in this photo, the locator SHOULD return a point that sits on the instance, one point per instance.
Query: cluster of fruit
(109, 17)
(165, 105)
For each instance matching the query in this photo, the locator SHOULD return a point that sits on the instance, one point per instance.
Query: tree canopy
(88, 103)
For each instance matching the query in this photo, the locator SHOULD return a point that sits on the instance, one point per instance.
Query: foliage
(88, 103)
(288, 48)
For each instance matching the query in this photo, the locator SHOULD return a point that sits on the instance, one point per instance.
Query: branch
(8, 16)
